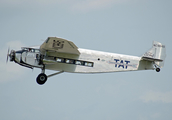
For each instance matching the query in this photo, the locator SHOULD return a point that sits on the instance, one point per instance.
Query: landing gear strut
(42, 78)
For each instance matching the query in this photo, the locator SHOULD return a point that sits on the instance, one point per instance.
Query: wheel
(157, 69)
(41, 79)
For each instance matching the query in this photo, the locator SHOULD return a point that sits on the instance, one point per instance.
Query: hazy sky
(119, 26)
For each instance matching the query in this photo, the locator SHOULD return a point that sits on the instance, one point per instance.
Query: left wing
(56, 45)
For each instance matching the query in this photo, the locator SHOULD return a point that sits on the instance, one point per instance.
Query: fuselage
(102, 62)
(89, 61)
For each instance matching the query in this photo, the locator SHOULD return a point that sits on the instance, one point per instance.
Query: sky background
(117, 26)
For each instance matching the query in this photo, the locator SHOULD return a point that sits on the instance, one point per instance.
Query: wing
(54, 46)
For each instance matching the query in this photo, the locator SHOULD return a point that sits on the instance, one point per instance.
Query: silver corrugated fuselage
(102, 62)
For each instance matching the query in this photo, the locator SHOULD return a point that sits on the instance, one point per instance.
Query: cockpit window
(36, 50)
(31, 50)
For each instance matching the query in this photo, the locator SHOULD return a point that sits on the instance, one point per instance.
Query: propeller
(8, 55)
(11, 55)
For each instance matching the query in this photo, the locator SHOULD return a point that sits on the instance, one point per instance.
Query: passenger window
(78, 62)
(60, 60)
(89, 64)
(69, 61)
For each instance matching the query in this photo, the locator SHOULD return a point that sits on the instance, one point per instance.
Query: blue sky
(118, 26)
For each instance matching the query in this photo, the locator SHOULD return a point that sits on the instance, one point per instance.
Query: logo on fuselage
(121, 63)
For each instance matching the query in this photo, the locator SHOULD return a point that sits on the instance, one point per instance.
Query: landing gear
(41, 79)
(157, 69)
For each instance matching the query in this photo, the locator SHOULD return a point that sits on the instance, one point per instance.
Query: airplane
(64, 56)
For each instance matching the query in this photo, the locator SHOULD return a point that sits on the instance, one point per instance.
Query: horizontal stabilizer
(152, 59)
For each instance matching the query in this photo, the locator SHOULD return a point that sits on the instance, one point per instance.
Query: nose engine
(14, 56)
(11, 55)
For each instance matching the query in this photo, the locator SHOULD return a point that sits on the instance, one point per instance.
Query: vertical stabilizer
(157, 54)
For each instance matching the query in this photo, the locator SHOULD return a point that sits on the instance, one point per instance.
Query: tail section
(156, 54)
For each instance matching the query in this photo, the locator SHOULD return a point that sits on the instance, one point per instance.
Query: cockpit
(31, 49)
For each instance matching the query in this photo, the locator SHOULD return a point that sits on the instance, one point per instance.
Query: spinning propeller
(8, 55)
(11, 55)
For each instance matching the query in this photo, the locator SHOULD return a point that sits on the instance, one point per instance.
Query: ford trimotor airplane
(64, 56)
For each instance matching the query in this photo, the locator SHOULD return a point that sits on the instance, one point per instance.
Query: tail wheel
(157, 69)
(41, 79)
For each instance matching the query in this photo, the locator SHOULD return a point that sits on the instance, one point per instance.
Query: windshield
(31, 50)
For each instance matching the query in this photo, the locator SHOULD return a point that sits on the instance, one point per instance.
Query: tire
(157, 69)
(41, 79)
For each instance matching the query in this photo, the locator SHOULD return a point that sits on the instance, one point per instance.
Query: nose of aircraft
(14, 55)
(11, 55)
(18, 56)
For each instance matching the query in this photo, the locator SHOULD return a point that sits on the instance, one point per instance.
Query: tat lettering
(121, 63)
